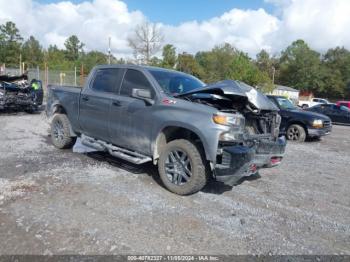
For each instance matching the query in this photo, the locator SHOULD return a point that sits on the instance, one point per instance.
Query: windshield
(285, 103)
(176, 83)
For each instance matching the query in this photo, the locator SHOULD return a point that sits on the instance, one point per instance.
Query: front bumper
(317, 132)
(240, 161)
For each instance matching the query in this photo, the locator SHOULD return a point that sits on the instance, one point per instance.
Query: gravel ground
(59, 202)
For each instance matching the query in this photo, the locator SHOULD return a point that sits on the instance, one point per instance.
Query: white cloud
(322, 23)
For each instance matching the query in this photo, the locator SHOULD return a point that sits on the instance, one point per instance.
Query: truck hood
(229, 89)
(309, 114)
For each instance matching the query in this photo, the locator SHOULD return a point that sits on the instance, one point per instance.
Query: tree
(187, 64)
(10, 44)
(243, 69)
(169, 56)
(73, 48)
(216, 63)
(336, 68)
(56, 59)
(300, 67)
(32, 52)
(146, 41)
(92, 59)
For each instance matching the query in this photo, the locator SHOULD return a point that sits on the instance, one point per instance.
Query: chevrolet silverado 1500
(190, 130)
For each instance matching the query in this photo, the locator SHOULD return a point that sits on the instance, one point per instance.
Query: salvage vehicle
(17, 94)
(298, 124)
(338, 114)
(189, 129)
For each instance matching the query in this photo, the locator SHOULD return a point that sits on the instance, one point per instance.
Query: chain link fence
(51, 77)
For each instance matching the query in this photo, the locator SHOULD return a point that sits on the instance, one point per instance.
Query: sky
(190, 25)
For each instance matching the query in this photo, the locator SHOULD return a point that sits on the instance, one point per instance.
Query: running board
(125, 154)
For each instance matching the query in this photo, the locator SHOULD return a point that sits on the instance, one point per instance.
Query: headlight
(317, 123)
(228, 120)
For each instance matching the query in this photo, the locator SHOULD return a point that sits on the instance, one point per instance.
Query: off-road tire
(296, 133)
(200, 169)
(65, 140)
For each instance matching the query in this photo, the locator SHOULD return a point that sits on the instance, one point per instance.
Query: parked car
(343, 103)
(338, 114)
(312, 102)
(298, 124)
(189, 129)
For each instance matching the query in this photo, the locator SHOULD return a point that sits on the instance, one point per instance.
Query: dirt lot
(59, 202)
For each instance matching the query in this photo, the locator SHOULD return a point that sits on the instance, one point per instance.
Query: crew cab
(190, 130)
(298, 124)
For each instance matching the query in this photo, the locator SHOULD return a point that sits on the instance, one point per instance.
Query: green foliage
(56, 59)
(92, 59)
(169, 56)
(74, 48)
(188, 64)
(301, 67)
(10, 44)
(32, 52)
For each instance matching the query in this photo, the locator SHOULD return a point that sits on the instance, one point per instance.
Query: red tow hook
(275, 160)
(253, 168)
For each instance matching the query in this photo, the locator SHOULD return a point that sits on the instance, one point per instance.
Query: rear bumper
(240, 161)
(317, 132)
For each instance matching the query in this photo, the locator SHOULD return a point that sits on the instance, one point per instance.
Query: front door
(131, 118)
(95, 102)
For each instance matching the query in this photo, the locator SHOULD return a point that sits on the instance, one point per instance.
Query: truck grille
(327, 123)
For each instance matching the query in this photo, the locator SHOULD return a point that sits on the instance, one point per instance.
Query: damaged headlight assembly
(235, 122)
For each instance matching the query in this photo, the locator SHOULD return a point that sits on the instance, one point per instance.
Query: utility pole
(273, 75)
(109, 50)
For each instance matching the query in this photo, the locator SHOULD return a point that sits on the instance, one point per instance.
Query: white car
(312, 102)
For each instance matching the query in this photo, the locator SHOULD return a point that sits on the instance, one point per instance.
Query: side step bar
(128, 155)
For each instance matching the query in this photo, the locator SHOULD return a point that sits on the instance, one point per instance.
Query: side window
(135, 79)
(106, 80)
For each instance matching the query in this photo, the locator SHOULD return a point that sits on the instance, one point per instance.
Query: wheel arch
(59, 109)
(173, 132)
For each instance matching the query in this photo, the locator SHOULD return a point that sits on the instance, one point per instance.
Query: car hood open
(235, 89)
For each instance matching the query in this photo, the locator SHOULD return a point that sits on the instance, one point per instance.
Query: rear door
(95, 102)
(131, 118)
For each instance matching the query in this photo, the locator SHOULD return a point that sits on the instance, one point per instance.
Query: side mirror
(143, 94)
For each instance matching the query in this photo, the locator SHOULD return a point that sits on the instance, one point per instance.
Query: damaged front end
(250, 140)
(16, 93)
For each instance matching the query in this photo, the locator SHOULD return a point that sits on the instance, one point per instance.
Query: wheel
(304, 106)
(296, 133)
(60, 132)
(182, 168)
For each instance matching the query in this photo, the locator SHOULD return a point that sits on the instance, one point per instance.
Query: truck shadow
(212, 187)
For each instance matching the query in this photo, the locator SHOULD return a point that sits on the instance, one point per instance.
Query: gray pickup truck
(190, 130)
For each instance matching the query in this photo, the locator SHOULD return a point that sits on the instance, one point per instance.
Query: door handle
(116, 103)
(85, 98)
